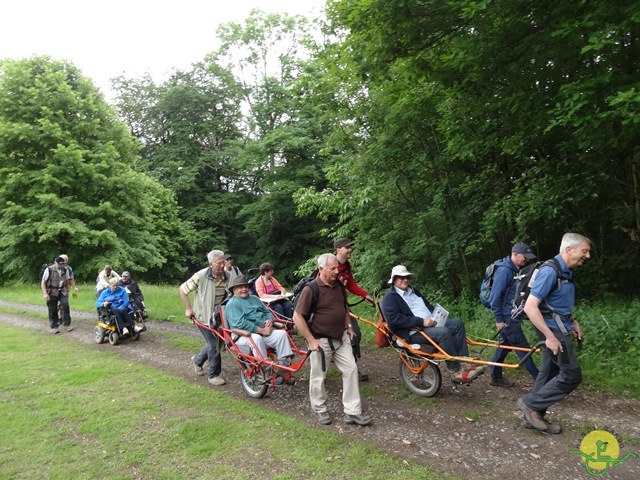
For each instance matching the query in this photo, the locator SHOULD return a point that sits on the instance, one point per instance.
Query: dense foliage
(67, 180)
(435, 134)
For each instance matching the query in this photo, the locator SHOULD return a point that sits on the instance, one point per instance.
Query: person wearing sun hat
(247, 312)
(405, 308)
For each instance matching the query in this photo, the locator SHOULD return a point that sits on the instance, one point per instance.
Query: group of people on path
(549, 305)
(112, 291)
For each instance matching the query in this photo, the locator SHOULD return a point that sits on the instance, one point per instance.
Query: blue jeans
(452, 338)
(209, 352)
(122, 317)
(512, 335)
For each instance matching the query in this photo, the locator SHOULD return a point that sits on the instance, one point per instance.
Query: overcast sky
(106, 39)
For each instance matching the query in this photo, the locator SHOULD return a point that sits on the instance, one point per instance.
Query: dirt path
(474, 432)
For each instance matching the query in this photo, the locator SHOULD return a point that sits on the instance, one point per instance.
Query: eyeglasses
(407, 277)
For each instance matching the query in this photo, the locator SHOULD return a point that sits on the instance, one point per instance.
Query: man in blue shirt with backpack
(550, 308)
(503, 291)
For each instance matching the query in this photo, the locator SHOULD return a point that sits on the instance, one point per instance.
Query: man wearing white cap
(405, 310)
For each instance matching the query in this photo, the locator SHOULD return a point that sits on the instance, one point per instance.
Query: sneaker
(55, 330)
(531, 416)
(501, 382)
(125, 331)
(138, 329)
(468, 374)
(217, 381)
(362, 420)
(552, 428)
(68, 328)
(323, 418)
(362, 377)
(198, 368)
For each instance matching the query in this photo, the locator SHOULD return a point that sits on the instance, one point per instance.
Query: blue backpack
(486, 284)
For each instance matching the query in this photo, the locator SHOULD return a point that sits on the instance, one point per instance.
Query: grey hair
(324, 258)
(114, 281)
(572, 240)
(213, 254)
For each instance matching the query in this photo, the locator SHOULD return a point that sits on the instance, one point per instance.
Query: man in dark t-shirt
(331, 331)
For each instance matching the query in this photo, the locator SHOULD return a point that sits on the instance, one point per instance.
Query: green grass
(72, 411)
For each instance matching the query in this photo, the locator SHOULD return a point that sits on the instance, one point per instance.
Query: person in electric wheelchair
(136, 298)
(116, 300)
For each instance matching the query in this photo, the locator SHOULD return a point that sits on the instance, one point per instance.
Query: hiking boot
(362, 377)
(531, 416)
(68, 328)
(552, 428)
(323, 418)
(55, 330)
(362, 420)
(501, 382)
(198, 368)
(217, 381)
(287, 378)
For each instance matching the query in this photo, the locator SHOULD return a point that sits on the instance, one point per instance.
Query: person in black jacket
(406, 311)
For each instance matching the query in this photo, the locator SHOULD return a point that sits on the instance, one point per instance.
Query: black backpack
(43, 268)
(524, 281)
(303, 283)
(315, 292)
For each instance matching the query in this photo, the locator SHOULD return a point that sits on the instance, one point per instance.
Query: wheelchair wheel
(114, 338)
(254, 386)
(427, 383)
(100, 334)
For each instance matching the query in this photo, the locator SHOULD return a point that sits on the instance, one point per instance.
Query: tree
(189, 129)
(68, 183)
(489, 122)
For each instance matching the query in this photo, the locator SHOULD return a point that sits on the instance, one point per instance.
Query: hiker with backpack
(322, 317)
(549, 306)
(343, 249)
(503, 290)
(55, 288)
(229, 267)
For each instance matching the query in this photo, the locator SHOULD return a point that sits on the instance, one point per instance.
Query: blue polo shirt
(561, 300)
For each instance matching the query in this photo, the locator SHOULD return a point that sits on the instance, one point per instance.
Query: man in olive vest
(55, 288)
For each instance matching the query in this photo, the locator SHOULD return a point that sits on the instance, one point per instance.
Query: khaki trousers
(343, 359)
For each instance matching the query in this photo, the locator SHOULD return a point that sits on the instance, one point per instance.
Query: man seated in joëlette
(406, 310)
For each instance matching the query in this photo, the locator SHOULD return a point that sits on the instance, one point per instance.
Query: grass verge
(74, 412)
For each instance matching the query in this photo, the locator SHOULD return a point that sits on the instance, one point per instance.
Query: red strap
(465, 376)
